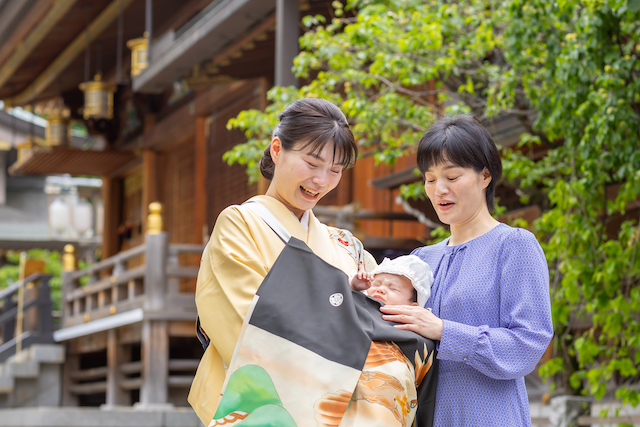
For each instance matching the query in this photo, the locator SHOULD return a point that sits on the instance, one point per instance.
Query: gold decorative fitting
(112, 309)
(113, 279)
(98, 99)
(58, 132)
(69, 258)
(85, 317)
(139, 54)
(154, 220)
(25, 148)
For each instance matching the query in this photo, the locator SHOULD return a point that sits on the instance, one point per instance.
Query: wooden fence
(37, 321)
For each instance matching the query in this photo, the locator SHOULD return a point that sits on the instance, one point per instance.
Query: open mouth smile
(309, 192)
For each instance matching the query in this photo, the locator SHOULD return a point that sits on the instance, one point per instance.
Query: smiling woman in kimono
(311, 147)
(489, 305)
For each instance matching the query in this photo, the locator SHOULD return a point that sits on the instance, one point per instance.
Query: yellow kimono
(239, 255)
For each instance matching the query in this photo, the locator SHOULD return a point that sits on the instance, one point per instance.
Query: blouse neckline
(480, 238)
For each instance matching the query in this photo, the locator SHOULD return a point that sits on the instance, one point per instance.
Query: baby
(405, 280)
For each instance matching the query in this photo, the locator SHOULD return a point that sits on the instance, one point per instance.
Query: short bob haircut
(309, 124)
(463, 141)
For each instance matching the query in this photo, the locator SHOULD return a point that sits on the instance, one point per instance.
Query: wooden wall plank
(112, 199)
(226, 184)
(200, 166)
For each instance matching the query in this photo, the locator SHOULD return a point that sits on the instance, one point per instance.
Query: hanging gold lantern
(25, 148)
(139, 54)
(57, 133)
(98, 99)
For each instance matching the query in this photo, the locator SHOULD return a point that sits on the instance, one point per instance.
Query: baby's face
(391, 289)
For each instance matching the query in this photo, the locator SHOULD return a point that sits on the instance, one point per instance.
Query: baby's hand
(361, 281)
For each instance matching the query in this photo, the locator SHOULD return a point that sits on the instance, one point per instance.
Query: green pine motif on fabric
(251, 390)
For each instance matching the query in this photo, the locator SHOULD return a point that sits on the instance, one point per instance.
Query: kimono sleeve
(513, 349)
(231, 270)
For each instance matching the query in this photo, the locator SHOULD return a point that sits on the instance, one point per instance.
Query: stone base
(95, 417)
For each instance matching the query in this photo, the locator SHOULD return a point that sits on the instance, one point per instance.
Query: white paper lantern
(82, 216)
(59, 215)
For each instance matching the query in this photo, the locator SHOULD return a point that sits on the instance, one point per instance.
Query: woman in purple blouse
(489, 304)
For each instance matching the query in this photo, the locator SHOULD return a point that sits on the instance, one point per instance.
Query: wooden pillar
(287, 34)
(263, 87)
(155, 277)
(45, 306)
(201, 228)
(71, 364)
(112, 197)
(68, 266)
(3, 177)
(116, 395)
(155, 363)
(155, 334)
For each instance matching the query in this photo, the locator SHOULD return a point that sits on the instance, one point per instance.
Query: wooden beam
(33, 39)
(35, 15)
(180, 18)
(181, 123)
(200, 161)
(71, 52)
(182, 329)
(264, 26)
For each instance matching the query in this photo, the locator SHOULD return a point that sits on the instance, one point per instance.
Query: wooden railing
(37, 320)
(144, 295)
(111, 286)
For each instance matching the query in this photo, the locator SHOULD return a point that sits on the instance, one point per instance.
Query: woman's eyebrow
(316, 156)
(445, 168)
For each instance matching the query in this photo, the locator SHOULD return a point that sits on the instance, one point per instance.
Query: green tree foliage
(10, 272)
(568, 70)
(387, 67)
(577, 62)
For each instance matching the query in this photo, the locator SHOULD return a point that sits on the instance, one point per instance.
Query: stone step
(27, 365)
(94, 417)
(46, 353)
(24, 368)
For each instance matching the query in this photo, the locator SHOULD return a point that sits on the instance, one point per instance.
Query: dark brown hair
(463, 141)
(311, 123)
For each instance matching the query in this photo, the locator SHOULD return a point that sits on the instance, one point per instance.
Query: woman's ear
(276, 149)
(486, 178)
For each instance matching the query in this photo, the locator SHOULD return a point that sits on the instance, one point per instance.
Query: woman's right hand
(414, 318)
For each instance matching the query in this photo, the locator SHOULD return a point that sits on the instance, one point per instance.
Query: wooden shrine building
(128, 321)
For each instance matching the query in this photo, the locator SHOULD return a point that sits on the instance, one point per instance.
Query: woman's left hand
(415, 319)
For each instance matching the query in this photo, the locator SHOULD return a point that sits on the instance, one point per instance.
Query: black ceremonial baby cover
(303, 350)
